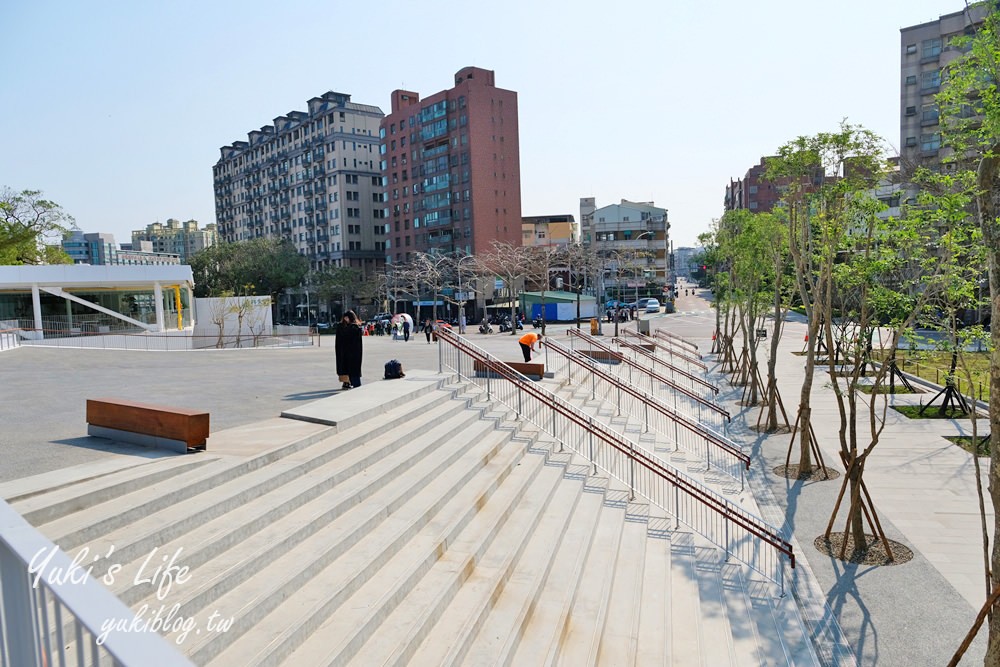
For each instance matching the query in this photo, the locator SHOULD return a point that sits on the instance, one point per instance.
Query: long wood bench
(531, 370)
(177, 429)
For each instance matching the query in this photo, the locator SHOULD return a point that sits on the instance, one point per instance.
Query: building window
(911, 141)
(911, 49)
(911, 80)
(931, 48)
(911, 111)
(930, 80)
(929, 114)
(930, 142)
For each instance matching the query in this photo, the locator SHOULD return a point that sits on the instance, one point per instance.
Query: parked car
(642, 303)
(652, 306)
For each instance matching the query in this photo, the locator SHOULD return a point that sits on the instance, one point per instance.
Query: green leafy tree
(745, 239)
(852, 265)
(969, 105)
(27, 221)
(262, 267)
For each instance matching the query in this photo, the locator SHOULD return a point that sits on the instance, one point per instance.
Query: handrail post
(441, 355)
(631, 459)
(677, 507)
(726, 519)
(593, 460)
(19, 617)
(554, 429)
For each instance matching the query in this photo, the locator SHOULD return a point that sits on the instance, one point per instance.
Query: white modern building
(69, 299)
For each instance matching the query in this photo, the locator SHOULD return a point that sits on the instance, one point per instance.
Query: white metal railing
(739, 533)
(715, 449)
(146, 341)
(53, 613)
(9, 338)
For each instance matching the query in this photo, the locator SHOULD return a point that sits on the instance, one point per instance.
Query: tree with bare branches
(510, 263)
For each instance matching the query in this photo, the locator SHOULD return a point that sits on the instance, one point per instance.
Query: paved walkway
(924, 489)
(923, 486)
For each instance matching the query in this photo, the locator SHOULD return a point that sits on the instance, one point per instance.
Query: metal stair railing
(743, 536)
(673, 369)
(667, 346)
(650, 375)
(715, 449)
(674, 339)
(40, 586)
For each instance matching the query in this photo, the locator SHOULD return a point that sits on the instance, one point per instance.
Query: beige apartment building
(549, 231)
(313, 178)
(176, 237)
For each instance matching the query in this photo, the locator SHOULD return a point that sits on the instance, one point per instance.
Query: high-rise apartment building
(176, 237)
(924, 51)
(311, 177)
(452, 168)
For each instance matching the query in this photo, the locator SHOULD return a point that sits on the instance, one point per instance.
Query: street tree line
(868, 281)
(270, 266)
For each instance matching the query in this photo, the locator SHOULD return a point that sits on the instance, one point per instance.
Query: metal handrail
(42, 586)
(662, 362)
(674, 338)
(649, 401)
(741, 534)
(9, 339)
(653, 374)
(669, 350)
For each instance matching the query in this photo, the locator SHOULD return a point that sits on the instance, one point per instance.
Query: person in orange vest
(527, 343)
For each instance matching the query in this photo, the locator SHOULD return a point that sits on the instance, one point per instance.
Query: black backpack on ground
(393, 370)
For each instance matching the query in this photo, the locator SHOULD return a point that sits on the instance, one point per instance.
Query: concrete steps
(441, 529)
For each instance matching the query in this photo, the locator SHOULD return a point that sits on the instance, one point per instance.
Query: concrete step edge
(452, 513)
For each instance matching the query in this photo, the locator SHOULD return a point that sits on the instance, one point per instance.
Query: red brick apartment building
(451, 164)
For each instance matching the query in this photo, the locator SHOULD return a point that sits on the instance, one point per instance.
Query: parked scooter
(485, 328)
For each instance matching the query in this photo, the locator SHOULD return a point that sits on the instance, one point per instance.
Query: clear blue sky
(117, 109)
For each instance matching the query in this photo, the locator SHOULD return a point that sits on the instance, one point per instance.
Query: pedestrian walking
(428, 329)
(348, 349)
(406, 330)
(527, 343)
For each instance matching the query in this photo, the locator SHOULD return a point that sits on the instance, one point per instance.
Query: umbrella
(399, 317)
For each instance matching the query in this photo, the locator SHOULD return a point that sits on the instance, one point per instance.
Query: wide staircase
(433, 526)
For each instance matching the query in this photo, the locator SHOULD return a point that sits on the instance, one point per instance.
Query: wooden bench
(176, 429)
(603, 356)
(534, 371)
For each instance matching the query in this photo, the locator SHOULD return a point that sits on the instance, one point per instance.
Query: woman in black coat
(347, 345)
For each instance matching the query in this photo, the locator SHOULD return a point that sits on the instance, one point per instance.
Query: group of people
(349, 350)
(621, 313)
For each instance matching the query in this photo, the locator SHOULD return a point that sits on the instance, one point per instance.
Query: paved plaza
(923, 486)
